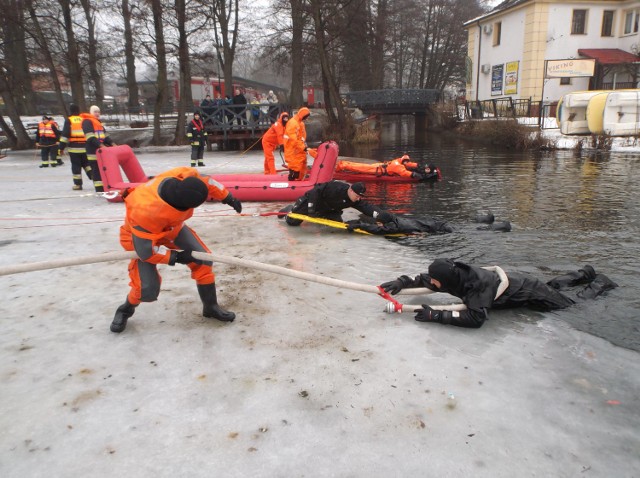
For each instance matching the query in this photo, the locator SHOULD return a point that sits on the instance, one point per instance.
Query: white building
(508, 47)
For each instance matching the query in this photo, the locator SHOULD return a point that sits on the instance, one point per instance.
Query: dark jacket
(477, 288)
(329, 199)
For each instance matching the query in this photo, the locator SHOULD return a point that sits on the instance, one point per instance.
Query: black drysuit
(327, 200)
(477, 288)
(404, 225)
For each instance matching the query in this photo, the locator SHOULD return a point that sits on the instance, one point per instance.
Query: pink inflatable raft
(115, 161)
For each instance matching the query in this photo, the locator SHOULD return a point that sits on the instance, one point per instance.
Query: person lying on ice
(328, 200)
(477, 287)
(155, 215)
(389, 223)
(402, 167)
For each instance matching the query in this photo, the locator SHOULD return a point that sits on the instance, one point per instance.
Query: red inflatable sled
(245, 187)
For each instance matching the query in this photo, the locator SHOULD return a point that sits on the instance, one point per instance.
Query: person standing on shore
(197, 137)
(47, 136)
(73, 138)
(96, 136)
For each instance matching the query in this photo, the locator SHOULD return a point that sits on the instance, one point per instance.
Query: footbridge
(393, 101)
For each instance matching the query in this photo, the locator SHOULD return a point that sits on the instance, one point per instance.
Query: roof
(505, 5)
(609, 56)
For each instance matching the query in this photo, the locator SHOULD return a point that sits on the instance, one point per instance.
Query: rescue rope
(118, 256)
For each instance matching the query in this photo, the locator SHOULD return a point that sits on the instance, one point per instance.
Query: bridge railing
(392, 98)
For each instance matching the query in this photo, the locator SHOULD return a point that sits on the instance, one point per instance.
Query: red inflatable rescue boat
(245, 187)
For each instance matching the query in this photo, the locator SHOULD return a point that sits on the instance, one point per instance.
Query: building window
(607, 23)
(565, 81)
(631, 22)
(497, 33)
(579, 22)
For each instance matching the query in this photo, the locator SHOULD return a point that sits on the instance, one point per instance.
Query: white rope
(118, 256)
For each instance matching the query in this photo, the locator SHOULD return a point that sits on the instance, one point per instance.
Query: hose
(118, 256)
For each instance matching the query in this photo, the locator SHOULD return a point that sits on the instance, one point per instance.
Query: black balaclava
(185, 194)
(444, 271)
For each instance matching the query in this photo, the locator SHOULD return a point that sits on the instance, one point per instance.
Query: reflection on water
(566, 210)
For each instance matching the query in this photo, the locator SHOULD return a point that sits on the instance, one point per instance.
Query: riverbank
(309, 380)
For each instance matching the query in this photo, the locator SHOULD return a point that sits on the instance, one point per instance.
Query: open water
(566, 209)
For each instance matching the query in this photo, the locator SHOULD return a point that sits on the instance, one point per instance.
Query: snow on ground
(309, 380)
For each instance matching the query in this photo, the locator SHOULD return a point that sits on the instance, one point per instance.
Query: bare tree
(18, 137)
(161, 59)
(74, 68)
(43, 47)
(16, 57)
(130, 60)
(92, 53)
(184, 61)
(322, 12)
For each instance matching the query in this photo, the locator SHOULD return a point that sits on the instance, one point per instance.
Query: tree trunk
(332, 99)
(377, 49)
(44, 48)
(186, 100)
(161, 58)
(94, 72)
(130, 60)
(16, 59)
(21, 137)
(226, 38)
(297, 23)
(73, 62)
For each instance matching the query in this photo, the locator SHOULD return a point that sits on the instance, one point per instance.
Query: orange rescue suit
(295, 147)
(271, 140)
(396, 167)
(150, 218)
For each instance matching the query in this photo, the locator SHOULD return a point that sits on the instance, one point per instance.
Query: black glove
(427, 314)
(184, 257)
(397, 285)
(233, 202)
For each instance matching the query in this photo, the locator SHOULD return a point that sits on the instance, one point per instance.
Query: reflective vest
(76, 134)
(76, 139)
(45, 130)
(97, 127)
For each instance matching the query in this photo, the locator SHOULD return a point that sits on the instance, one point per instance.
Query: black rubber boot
(599, 285)
(571, 279)
(200, 163)
(123, 313)
(485, 218)
(211, 308)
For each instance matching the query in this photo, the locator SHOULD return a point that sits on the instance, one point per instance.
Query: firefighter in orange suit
(73, 138)
(96, 136)
(273, 138)
(402, 167)
(47, 137)
(295, 145)
(154, 228)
